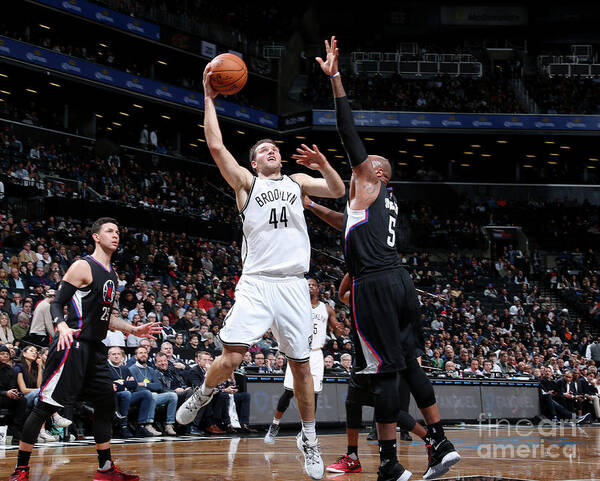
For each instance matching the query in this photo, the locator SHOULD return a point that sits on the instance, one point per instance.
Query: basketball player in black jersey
(383, 297)
(77, 362)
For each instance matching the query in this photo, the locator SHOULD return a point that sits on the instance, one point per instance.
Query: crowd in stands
(440, 94)
(562, 95)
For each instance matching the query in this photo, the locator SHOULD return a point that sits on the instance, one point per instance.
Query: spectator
(346, 363)
(42, 327)
(113, 337)
(473, 368)
(172, 382)
(205, 417)
(146, 377)
(167, 349)
(128, 395)
(17, 281)
(27, 255)
(228, 392)
(6, 333)
(21, 328)
(9, 395)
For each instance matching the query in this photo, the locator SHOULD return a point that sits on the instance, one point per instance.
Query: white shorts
(263, 303)
(317, 366)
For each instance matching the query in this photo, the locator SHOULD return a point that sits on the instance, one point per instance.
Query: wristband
(337, 74)
(311, 205)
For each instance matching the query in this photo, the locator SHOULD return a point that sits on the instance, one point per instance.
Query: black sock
(387, 452)
(353, 450)
(435, 432)
(103, 457)
(23, 458)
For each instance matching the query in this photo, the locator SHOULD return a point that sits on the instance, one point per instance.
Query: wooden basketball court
(549, 453)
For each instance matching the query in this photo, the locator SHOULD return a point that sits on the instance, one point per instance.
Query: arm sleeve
(345, 125)
(64, 295)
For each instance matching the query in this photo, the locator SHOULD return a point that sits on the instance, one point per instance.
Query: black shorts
(361, 390)
(385, 310)
(80, 371)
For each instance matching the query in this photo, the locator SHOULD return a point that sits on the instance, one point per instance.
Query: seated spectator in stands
(279, 366)
(40, 279)
(210, 346)
(504, 364)
(146, 344)
(167, 349)
(464, 360)
(550, 396)
(128, 395)
(437, 324)
(147, 378)
(242, 405)
(172, 382)
(490, 291)
(9, 395)
(473, 368)
(134, 341)
(589, 388)
(17, 281)
(6, 333)
(168, 332)
(488, 368)
(205, 417)
(450, 369)
(570, 397)
(346, 363)
(247, 359)
(21, 328)
(113, 337)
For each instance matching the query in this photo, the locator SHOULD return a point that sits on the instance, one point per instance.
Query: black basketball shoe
(442, 456)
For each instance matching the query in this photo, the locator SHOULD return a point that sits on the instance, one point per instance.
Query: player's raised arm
(236, 176)
(345, 122)
(331, 185)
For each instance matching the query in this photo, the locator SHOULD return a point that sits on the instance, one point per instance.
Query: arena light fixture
(468, 152)
(108, 128)
(202, 140)
(369, 139)
(411, 140)
(331, 150)
(566, 147)
(486, 155)
(193, 145)
(530, 156)
(166, 117)
(593, 159)
(3, 75)
(465, 165)
(5, 92)
(527, 166)
(116, 124)
(549, 142)
(552, 162)
(417, 156)
(31, 91)
(138, 106)
(502, 141)
(428, 145)
(54, 84)
(476, 146)
(402, 151)
(402, 163)
(591, 166)
(100, 116)
(339, 156)
(2, 100)
(162, 62)
(201, 126)
(124, 114)
(241, 132)
(46, 27)
(300, 137)
(103, 45)
(277, 141)
(554, 154)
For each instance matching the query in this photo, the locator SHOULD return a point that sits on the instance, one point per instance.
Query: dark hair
(200, 353)
(97, 225)
(159, 354)
(261, 141)
(30, 372)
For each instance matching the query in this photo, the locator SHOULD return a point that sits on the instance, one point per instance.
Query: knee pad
(284, 400)
(353, 415)
(387, 397)
(104, 407)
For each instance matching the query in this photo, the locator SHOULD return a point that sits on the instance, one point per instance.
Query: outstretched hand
(147, 330)
(310, 158)
(330, 64)
(306, 201)
(209, 91)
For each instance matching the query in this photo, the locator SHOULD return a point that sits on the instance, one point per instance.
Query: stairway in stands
(560, 304)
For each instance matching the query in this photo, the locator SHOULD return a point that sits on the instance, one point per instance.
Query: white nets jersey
(275, 239)
(320, 316)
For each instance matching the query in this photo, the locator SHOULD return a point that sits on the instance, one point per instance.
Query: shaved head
(381, 166)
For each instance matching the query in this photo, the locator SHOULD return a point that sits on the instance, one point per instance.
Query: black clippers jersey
(90, 306)
(370, 235)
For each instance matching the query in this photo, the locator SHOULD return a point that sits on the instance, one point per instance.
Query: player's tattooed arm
(331, 217)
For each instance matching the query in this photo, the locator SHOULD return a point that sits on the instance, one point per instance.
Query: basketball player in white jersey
(272, 291)
(323, 316)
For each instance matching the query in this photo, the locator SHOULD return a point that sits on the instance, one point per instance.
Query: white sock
(308, 428)
(107, 466)
(205, 390)
(276, 421)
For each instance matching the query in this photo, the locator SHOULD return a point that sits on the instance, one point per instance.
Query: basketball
(229, 74)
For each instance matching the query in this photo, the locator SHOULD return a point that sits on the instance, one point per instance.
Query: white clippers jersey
(320, 316)
(275, 237)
